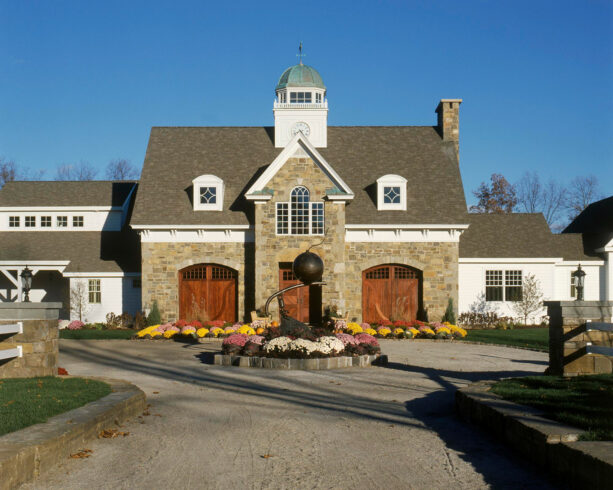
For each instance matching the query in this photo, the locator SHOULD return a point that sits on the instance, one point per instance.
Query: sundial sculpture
(308, 268)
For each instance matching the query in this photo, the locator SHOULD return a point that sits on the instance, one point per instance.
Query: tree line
(118, 169)
(559, 204)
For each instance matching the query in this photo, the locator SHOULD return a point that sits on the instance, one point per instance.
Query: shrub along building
(223, 211)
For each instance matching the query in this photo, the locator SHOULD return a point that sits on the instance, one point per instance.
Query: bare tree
(531, 300)
(8, 171)
(582, 192)
(497, 197)
(79, 299)
(536, 197)
(80, 171)
(121, 169)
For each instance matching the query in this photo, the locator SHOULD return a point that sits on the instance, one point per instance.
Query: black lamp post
(26, 283)
(579, 281)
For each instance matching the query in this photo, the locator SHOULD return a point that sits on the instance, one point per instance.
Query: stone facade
(438, 262)
(258, 263)
(39, 341)
(163, 261)
(272, 249)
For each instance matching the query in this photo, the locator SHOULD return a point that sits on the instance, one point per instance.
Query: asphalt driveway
(232, 428)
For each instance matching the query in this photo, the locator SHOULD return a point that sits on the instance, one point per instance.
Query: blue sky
(85, 80)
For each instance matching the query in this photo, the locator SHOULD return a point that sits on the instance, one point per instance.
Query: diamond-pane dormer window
(391, 193)
(208, 195)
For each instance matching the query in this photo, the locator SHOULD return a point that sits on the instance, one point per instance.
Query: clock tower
(301, 105)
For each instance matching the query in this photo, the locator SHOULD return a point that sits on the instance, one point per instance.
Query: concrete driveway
(379, 427)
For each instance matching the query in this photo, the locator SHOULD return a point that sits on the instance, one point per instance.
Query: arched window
(300, 216)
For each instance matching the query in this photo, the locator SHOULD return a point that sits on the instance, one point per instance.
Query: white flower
(330, 344)
(280, 344)
(303, 345)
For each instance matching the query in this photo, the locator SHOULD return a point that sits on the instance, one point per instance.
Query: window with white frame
(391, 193)
(300, 216)
(14, 222)
(503, 285)
(95, 293)
(62, 221)
(77, 221)
(30, 221)
(300, 98)
(45, 221)
(208, 193)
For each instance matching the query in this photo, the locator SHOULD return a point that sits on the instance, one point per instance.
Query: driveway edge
(549, 444)
(27, 453)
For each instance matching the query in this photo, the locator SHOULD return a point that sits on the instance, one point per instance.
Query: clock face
(301, 126)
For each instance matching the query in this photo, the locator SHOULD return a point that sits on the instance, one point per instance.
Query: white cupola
(301, 105)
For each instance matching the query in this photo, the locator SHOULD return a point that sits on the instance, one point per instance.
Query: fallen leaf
(83, 453)
(266, 456)
(156, 392)
(111, 433)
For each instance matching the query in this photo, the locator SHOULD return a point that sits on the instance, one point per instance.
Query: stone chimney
(448, 111)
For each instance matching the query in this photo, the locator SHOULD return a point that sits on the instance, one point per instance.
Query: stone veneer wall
(438, 262)
(39, 340)
(271, 249)
(161, 263)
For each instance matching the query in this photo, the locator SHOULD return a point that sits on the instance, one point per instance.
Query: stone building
(223, 211)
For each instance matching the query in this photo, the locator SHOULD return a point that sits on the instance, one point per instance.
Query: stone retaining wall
(299, 364)
(39, 340)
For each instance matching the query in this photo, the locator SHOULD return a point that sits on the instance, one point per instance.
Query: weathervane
(300, 55)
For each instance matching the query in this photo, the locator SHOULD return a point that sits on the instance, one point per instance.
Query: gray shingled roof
(65, 193)
(88, 251)
(595, 223)
(518, 235)
(238, 155)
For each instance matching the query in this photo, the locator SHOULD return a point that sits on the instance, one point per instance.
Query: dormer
(301, 106)
(208, 193)
(391, 193)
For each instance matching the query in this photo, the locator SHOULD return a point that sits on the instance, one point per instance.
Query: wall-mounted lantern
(26, 283)
(579, 282)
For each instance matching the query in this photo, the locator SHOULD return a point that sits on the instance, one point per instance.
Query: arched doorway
(208, 292)
(390, 292)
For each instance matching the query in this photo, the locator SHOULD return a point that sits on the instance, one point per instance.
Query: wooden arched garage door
(390, 292)
(207, 292)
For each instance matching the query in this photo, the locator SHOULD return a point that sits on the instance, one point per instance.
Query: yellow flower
(398, 331)
(201, 332)
(155, 333)
(146, 331)
(246, 329)
(443, 330)
(169, 333)
(370, 331)
(385, 332)
(414, 331)
(354, 328)
(216, 331)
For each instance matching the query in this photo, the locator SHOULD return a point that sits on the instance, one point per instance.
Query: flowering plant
(364, 326)
(328, 345)
(340, 325)
(169, 333)
(230, 329)
(258, 324)
(181, 323)
(246, 329)
(215, 323)
(256, 339)
(279, 344)
(201, 332)
(235, 339)
(398, 331)
(215, 331)
(188, 330)
(364, 338)
(370, 331)
(347, 339)
(75, 325)
(384, 331)
(354, 328)
(195, 324)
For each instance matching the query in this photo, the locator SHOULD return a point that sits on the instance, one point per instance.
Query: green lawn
(93, 334)
(28, 401)
(535, 338)
(582, 401)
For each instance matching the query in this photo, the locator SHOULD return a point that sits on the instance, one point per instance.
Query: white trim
(60, 209)
(39, 263)
(406, 227)
(575, 263)
(197, 235)
(191, 227)
(298, 141)
(95, 275)
(339, 197)
(510, 260)
(391, 180)
(259, 197)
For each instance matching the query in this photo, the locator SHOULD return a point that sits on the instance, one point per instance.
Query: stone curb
(549, 444)
(299, 364)
(27, 453)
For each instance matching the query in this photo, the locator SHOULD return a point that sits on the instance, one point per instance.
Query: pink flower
(229, 329)
(347, 339)
(75, 325)
(256, 339)
(365, 325)
(364, 338)
(236, 339)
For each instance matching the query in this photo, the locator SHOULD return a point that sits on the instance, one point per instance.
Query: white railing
(12, 329)
(11, 353)
(285, 105)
